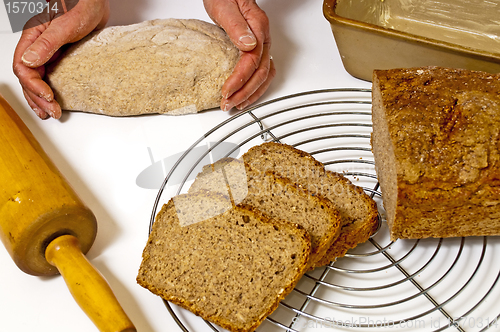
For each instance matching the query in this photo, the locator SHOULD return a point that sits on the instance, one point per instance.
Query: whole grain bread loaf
(436, 133)
(232, 268)
(358, 212)
(171, 66)
(275, 196)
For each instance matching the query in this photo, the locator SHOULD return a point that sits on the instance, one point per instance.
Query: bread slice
(275, 196)
(231, 269)
(357, 210)
(281, 198)
(358, 213)
(436, 133)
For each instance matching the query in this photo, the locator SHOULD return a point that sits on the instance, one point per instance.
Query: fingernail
(226, 106)
(243, 105)
(42, 115)
(248, 40)
(30, 57)
(47, 97)
(50, 112)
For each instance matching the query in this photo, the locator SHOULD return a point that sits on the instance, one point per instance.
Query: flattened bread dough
(168, 66)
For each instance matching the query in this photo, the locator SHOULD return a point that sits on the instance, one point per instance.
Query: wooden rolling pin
(45, 226)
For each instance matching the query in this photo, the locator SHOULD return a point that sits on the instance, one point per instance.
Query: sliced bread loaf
(436, 133)
(357, 210)
(276, 196)
(231, 269)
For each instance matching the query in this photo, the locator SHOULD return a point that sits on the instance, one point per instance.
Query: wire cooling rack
(406, 285)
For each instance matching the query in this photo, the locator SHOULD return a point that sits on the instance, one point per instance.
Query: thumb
(65, 29)
(229, 17)
(44, 47)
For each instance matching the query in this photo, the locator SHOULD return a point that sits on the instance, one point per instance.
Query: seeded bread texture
(227, 176)
(276, 197)
(171, 66)
(231, 269)
(358, 212)
(436, 133)
(281, 198)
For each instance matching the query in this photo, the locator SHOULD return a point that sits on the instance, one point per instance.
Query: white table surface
(102, 156)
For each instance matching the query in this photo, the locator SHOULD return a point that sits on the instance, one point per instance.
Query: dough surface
(168, 66)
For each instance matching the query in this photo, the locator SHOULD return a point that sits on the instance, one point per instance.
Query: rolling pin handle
(87, 285)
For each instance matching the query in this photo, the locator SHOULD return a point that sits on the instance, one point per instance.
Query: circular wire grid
(407, 285)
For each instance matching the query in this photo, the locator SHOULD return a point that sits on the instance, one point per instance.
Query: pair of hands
(245, 23)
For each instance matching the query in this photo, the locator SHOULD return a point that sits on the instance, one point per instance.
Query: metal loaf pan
(385, 34)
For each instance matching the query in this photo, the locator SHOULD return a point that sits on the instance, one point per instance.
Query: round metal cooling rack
(381, 285)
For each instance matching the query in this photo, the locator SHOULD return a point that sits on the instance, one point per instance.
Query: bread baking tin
(386, 34)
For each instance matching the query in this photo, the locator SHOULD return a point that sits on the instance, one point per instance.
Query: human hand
(248, 27)
(40, 45)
